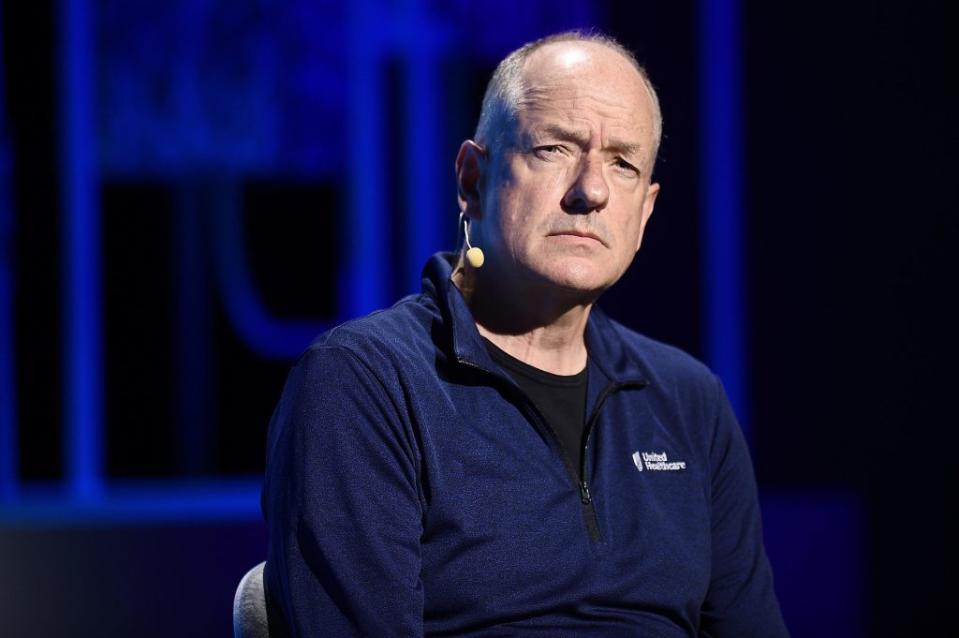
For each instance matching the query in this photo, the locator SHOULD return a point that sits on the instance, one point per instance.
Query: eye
(625, 166)
(549, 151)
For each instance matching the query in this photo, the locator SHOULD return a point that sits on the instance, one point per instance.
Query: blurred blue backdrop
(190, 191)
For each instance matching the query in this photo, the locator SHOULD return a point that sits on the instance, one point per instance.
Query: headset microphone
(474, 255)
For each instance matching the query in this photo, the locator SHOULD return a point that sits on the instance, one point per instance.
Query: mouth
(584, 234)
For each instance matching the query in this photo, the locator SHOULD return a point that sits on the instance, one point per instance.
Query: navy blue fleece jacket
(412, 489)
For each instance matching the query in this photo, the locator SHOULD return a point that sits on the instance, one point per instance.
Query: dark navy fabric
(410, 491)
(560, 399)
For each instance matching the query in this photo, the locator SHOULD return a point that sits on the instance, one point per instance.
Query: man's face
(565, 201)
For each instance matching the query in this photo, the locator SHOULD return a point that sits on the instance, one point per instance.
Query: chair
(249, 606)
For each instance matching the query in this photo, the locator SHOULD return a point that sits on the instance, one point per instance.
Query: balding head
(508, 89)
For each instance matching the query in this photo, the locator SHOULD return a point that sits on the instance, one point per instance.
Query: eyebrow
(556, 131)
(625, 148)
(581, 137)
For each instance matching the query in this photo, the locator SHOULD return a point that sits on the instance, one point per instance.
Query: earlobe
(470, 162)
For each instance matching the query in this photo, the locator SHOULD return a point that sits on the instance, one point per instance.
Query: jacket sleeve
(342, 504)
(740, 602)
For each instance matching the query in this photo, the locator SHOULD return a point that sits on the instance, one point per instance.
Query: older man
(494, 456)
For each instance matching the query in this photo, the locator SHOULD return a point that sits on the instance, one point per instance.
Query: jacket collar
(604, 341)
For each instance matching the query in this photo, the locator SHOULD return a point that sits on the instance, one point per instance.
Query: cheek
(542, 183)
(638, 236)
(629, 239)
(526, 211)
(556, 181)
(640, 229)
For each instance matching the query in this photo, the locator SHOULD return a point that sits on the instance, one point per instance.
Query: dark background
(850, 163)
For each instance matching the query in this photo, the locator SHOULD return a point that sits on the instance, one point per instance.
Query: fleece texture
(412, 489)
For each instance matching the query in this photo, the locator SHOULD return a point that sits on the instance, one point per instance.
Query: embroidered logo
(656, 462)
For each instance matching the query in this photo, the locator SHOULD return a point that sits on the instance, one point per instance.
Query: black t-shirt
(560, 399)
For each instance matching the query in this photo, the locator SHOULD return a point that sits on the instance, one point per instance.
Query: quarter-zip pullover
(412, 489)
(561, 399)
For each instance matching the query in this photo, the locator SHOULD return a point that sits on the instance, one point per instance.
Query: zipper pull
(584, 493)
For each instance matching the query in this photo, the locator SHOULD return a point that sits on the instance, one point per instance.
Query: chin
(579, 278)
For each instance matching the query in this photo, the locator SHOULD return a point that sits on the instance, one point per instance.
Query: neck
(543, 331)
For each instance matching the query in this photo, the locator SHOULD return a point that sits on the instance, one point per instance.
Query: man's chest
(506, 529)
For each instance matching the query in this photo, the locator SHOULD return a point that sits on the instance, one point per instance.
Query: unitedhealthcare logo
(656, 462)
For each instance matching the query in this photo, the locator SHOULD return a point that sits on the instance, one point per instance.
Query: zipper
(585, 497)
(589, 510)
(594, 416)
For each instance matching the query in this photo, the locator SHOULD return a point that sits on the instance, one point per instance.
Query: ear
(649, 202)
(470, 164)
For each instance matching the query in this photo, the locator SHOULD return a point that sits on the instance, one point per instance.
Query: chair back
(249, 606)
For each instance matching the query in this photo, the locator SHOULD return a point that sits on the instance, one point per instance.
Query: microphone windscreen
(476, 257)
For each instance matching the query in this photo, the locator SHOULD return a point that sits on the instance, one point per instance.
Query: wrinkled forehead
(584, 84)
(579, 101)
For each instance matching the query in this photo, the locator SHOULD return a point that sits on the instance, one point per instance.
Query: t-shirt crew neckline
(531, 372)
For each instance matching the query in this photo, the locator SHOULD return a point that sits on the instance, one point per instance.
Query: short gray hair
(505, 89)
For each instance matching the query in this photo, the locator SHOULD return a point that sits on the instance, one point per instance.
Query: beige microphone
(474, 255)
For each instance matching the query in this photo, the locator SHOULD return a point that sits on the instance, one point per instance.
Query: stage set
(190, 191)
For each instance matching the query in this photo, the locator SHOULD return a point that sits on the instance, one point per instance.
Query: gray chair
(249, 606)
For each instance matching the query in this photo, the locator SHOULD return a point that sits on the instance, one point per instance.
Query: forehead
(584, 84)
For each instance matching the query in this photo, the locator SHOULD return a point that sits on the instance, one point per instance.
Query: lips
(585, 234)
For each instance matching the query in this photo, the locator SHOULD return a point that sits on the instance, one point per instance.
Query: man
(496, 457)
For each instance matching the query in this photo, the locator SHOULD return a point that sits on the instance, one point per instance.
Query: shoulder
(401, 331)
(355, 373)
(660, 361)
(382, 344)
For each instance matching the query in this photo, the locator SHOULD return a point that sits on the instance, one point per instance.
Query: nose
(589, 191)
